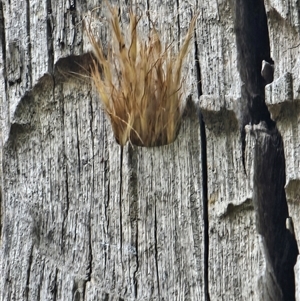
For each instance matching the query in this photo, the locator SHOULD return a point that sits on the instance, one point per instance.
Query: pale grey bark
(83, 219)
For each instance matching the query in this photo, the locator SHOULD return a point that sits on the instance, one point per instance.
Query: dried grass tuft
(140, 84)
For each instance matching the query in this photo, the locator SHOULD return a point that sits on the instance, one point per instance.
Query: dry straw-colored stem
(140, 84)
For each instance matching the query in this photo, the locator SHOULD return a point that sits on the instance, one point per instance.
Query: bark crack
(269, 199)
(106, 199)
(67, 200)
(3, 44)
(50, 25)
(204, 178)
(156, 250)
(77, 144)
(137, 263)
(133, 213)
(28, 24)
(53, 286)
(120, 203)
(178, 23)
(3, 49)
(89, 268)
(26, 292)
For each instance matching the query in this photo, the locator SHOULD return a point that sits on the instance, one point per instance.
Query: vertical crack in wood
(3, 47)
(26, 291)
(90, 263)
(29, 57)
(89, 271)
(133, 212)
(106, 297)
(204, 178)
(156, 249)
(66, 210)
(67, 200)
(178, 23)
(50, 29)
(3, 50)
(135, 279)
(90, 251)
(120, 203)
(77, 144)
(53, 287)
(107, 195)
(269, 199)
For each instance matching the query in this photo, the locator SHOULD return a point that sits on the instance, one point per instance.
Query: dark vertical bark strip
(120, 202)
(3, 50)
(53, 287)
(90, 265)
(29, 57)
(66, 171)
(252, 41)
(50, 37)
(133, 212)
(26, 292)
(156, 250)
(3, 44)
(78, 143)
(204, 175)
(135, 278)
(178, 23)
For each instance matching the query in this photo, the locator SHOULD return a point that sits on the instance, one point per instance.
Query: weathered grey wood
(83, 219)
(232, 230)
(282, 98)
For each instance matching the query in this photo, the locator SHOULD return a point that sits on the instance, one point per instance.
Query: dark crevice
(92, 137)
(106, 297)
(178, 23)
(269, 199)
(135, 279)
(89, 268)
(53, 286)
(67, 197)
(3, 44)
(5, 99)
(204, 177)
(133, 212)
(29, 58)
(107, 198)
(26, 291)
(78, 143)
(72, 5)
(120, 203)
(253, 46)
(50, 37)
(148, 15)
(67, 194)
(156, 250)
(90, 263)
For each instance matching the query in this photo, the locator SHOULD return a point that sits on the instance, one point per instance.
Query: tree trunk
(206, 217)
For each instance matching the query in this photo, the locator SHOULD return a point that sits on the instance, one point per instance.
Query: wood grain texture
(83, 219)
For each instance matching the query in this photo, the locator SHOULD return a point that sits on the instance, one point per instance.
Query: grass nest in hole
(140, 83)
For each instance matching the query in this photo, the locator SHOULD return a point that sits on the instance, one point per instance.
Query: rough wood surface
(83, 219)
